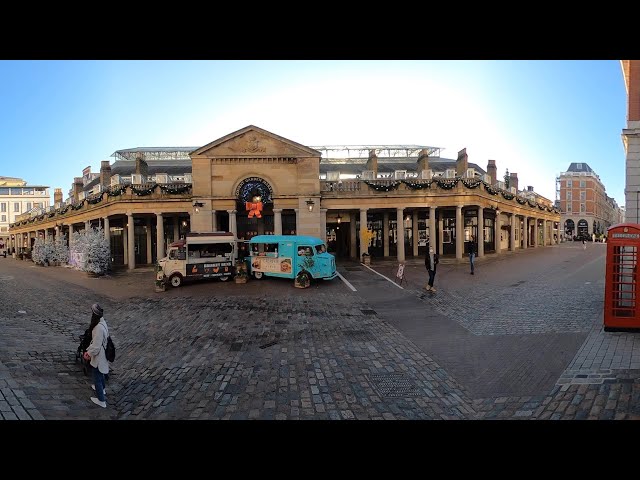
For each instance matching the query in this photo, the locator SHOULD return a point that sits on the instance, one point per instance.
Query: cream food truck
(198, 256)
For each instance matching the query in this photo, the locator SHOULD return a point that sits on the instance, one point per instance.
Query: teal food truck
(285, 256)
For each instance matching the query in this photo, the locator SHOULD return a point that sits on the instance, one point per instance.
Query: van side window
(182, 254)
(305, 251)
(173, 254)
(321, 248)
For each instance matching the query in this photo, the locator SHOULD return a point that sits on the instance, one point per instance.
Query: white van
(198, 256)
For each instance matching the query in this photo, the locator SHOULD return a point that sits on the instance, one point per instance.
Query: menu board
(208, 270)
(271, 264)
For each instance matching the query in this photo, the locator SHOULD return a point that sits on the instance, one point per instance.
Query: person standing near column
(471, 250)
(430, 261)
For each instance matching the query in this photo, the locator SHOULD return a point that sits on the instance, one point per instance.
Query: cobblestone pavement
(521, 339)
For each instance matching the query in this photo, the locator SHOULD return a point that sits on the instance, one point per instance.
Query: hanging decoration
(417, 186)
(382, 188)
(143, 192)
(77, 206)
(174, 189)
(447, 184)
(490, 189)
(521, 200)
(508, 196)
(531, 204)
(471, 183)
(118, 191)
(93, 201)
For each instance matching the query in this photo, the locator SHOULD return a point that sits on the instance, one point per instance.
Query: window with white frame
(583, 183)
(28, 206)
(16, 207)
(582, 207)
(569, 207)
(583, 196)
(578, 166)
(569, 183)
(568, 196)
(4, 218)
(3, 207)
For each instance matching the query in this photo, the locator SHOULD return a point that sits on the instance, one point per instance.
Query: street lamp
(310, 204)
(339, 218)
(197, 206)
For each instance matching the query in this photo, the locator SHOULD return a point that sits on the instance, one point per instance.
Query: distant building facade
(18, 198)
(401, 195)
(584, 204)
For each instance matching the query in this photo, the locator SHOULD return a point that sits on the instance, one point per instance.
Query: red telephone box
(621, 308)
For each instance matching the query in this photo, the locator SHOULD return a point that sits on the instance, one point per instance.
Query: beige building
(17, 198)
(401, 195)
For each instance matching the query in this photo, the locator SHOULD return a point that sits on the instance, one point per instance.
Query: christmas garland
(78, 206)
(382, 188)
(95, 200)
(417, 186)
(531, 204)
(490, 189)
(143, 192)
(175, 189)
(541, 207)
(508, 196)
(118, 191)
(471, 183)
(521, 201)
(447, 184)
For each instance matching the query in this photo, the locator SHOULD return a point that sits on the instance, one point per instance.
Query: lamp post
(310, 204)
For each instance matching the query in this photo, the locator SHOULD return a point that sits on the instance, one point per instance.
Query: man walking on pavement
(471, 250)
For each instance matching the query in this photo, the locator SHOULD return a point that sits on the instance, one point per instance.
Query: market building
(17, 197)
(253, 182)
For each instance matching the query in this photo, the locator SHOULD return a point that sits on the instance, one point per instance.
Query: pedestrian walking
(471, 250)
(584, 243)
(430, 261)
(96, 353)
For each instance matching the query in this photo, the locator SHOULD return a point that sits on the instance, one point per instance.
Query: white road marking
(347, 283)
(387, 278)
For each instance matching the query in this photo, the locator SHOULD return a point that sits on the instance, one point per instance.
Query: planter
(366, 259)
(240, 279)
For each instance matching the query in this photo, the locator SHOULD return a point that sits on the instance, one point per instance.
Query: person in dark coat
(472, 250)
(430, 261)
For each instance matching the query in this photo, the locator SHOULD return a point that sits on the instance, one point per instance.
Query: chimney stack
(105, 174)
(462, 163)
(77, 187)
(57, 197)
(513, 180)
(141, 166)
(529, 189)
(372, 163)
(423, 160)
(492, 171)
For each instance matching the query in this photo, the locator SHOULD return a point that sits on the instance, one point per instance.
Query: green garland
(531, 204)
(118, 191)
(175, 189)
(475, 183)
(490, 189)
(143, 192)
(382, 188)
(508, 196)
(521, 200)
(447, 184)
(93, 201)
(417, 186)
(78, 206)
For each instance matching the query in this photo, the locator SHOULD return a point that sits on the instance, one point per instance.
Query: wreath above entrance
(252, 187)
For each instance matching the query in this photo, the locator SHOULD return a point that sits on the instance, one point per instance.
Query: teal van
(285, 256)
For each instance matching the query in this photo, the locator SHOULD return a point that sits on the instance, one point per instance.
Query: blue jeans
(432, 276)
(472, 256)
(98, 381)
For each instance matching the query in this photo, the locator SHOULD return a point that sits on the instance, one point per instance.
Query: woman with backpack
(96, 353)
(430, 261)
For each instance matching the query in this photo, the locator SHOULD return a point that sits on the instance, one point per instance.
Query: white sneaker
(98, 402)
(104, 392)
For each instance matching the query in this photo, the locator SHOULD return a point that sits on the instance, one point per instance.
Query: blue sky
(533, 117)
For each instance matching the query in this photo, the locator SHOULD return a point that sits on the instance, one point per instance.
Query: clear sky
(533, 117)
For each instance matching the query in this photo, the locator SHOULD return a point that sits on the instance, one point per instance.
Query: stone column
(57, 230)
(214, 221)
(70, 239)
(414, 233)
(480, 237)
(233, 228)
(512, 234)
(400, 232)
(353, 253)
(131, 248)
(277, 221)
(87, 224)
(459, 232)
(159, 236)
(323, 225)
(440, 224)
(364, 245)
(149, 242)
(297, 210)
(535, 233)
(497, 232)
(525, 232)
(46, 234)
(544, 233)
(432, 226)
(176, 228)
(385, 234)
(107, 232)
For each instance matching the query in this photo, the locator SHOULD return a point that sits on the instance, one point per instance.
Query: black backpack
(110, 350)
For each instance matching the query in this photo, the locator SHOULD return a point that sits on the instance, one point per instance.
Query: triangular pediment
(253, 141)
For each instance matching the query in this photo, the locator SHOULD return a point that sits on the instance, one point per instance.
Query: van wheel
(175, 280)
(224, 279)
(258, 275)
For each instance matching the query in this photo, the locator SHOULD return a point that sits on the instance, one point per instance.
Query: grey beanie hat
(97, 309)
